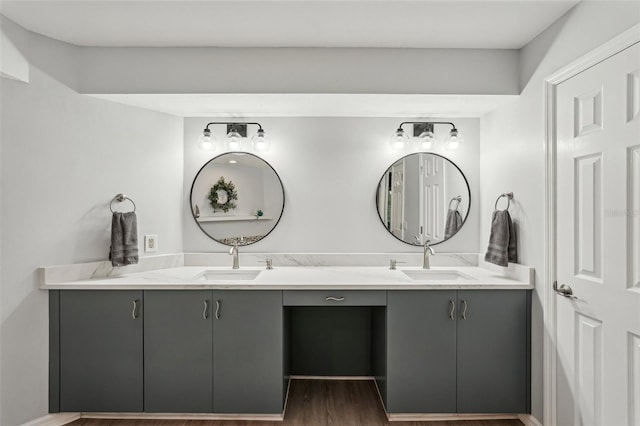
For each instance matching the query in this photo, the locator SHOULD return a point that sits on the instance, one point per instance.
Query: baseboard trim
(301, 377)
(61, 419)
(529, 420)
(184, 416)
(443, 417)
(286, 397)
(384, 407)
(53, 419)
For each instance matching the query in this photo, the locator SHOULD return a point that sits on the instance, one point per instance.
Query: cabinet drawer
(334, 298)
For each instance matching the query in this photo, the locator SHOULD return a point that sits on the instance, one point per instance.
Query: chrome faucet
(234, 252)
(428, 251)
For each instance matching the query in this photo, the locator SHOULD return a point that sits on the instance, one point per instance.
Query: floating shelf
(231, 218)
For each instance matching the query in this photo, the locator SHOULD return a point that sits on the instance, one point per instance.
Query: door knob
(563, 290)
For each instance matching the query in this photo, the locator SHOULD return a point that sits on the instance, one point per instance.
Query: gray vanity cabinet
(492, 351)
(247, 352)
(178, 351)
(100, 351)
(458, 351)
(421, 347)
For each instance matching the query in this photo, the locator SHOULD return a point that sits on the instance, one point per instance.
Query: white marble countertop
(299, 278)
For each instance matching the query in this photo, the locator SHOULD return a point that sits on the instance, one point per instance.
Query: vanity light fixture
(453, 140)
(260, 141)
(236, 134)
(207, 141)
(425, 137)
(234, 139)
(399, 139)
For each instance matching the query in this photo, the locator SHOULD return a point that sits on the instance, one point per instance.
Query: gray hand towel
(124, 239)
(453, 223)
(502, 241)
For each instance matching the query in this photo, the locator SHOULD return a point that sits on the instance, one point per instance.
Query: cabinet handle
(217, 309)
(134, 312)
(464, 309)
(453, 309)
(205, 313)
(334, 299)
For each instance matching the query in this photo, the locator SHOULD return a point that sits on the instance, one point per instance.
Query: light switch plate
(150, 243)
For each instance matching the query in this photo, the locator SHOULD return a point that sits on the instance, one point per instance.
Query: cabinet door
(493, 363)
(178, 349)
(421, 352)
(101, 350)
(247, 352)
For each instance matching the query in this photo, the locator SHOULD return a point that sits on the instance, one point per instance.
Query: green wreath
(230, 189)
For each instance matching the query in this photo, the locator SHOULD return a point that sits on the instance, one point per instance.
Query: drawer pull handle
(217, 309)
(334, 299)
(453, 309)
(134, 311)
(205, 313)
(464, 309)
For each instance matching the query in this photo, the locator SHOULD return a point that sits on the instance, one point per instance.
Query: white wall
(330, 168)
(13, 64)
(512, 153)
(64, 156)
(248, 181)
(298, 70)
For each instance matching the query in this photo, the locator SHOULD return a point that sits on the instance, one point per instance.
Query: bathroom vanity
(208, 339)
(167, 351)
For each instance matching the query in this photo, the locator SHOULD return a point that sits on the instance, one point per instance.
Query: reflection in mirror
(237, 197)
(423, 196)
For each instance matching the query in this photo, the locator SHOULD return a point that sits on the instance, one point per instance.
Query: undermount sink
(436, 275)
(229, 275)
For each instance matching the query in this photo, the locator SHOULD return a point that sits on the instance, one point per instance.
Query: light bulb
(234, 140)
(453, 140)
(426, 140)
(207, 141)
(260, 141)
(399, 140)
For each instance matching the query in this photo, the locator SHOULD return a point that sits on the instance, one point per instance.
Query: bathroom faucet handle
(428, 248)
(234, 247)
(269, 262)
(393, 263)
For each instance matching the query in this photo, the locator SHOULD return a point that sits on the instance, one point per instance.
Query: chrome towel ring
(458, 199)
(120, 198)
(508, 195)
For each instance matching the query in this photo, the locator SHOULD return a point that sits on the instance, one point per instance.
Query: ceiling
(476, 24)
(482, 24)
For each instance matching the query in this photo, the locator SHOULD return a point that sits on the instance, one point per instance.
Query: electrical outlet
(150, 243)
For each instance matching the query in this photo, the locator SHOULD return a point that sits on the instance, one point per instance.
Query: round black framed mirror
(237, 198)
(423, 196)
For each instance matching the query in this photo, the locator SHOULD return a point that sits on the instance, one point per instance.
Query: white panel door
(397, 200)
(432, 198)
(598, 244)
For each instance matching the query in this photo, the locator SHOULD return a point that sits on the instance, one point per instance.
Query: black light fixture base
(240, 128)
(420, 128)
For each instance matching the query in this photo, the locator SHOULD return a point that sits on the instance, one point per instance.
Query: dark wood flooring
(315, 403)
